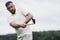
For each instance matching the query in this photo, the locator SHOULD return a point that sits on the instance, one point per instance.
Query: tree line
(45, 35)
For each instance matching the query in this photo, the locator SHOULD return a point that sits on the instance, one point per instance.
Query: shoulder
(22, 9)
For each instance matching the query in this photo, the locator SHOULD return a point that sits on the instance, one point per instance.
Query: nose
(11, 8)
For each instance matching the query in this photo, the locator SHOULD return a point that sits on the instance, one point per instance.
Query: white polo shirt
(19, 18)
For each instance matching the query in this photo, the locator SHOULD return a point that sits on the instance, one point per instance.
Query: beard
(12, 11)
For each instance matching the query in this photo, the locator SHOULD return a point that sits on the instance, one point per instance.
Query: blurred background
(45, 12)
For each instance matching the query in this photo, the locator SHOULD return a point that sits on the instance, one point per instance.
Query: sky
(46, 13)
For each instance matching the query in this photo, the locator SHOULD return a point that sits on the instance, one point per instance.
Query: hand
(23, 25)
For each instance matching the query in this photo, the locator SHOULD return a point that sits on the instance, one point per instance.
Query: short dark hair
(7, 3)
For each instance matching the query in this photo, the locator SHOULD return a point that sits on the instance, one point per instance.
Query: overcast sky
(46, 13)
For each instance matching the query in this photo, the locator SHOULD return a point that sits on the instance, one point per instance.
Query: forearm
(14, 25)
(28, 18)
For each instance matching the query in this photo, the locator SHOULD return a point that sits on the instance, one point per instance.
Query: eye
(9, 7)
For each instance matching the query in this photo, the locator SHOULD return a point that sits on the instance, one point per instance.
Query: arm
(28, 18)
(14, 25)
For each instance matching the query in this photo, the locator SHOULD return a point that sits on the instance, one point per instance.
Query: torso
(19, 18)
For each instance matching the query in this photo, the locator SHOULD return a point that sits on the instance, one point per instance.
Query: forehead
(10, 4)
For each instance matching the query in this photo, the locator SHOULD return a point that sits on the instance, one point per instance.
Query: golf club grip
(33, 20)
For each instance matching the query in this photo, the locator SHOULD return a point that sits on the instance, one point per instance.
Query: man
(19, 20)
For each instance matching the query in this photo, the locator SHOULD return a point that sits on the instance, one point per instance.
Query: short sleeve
(25, 11)
(9, 19)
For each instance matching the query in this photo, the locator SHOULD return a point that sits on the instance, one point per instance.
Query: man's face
(11, 7)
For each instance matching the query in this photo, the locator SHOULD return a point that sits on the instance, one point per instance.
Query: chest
(18, 18)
